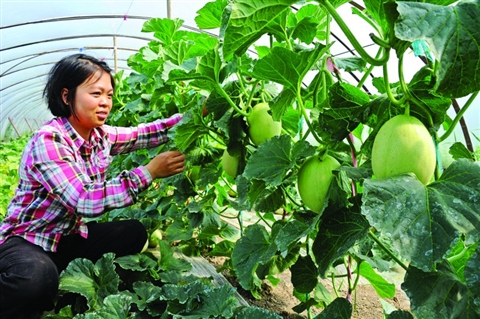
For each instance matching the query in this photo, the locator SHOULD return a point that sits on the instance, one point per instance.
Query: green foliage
(278, 52)
(366, 224)
(108, 291)
(430, 218)
(10, 154)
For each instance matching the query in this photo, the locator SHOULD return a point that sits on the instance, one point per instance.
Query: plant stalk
(229, 100)
(389, 89)
(306, 118)
(458, 117)
(388, 251)
(353, 40)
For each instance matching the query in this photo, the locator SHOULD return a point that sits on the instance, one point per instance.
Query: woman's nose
(105, 101)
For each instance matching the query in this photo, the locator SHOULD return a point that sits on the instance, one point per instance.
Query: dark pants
(29, 275)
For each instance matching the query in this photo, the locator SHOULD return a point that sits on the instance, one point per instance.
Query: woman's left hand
(166, 164)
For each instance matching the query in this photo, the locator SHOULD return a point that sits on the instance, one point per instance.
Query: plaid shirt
(62, 179)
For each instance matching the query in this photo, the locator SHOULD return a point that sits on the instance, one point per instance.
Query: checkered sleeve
(55, 166)
(146, 135)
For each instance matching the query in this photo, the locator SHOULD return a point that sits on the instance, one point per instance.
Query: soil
(280, 298)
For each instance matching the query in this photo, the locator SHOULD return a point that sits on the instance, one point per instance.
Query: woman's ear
(64, 94)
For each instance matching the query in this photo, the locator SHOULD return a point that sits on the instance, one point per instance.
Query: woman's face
(93, 102)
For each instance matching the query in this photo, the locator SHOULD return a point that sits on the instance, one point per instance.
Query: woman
(62, 180)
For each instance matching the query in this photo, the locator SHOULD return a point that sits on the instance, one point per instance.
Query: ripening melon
(314, 179)
(404, 145)
(261, 125)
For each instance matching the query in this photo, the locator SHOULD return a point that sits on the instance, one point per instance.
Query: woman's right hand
(166, 164)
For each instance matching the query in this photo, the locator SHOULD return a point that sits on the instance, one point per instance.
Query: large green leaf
(255, 195)
(210, 16)
(249, 21)
(199, 300)
(189, 46)
(286, 67)
(146, 293)
(340, 308)
(472, 278)
(293, 231)
(163, 29)
(383, 288)
(344, 112)
(304, 16)
(114, 307)
(169, 262)
(454, 38)
(337, 234)
(377, 11)
(425, 222)
(400, 314)
(213, 302)
(440, 294)
(94, 282)
(254, 248)
(146, 61)
(136, 262)
(274, 158)
(304, 274)
(187, 131)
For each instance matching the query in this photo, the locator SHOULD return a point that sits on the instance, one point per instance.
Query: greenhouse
(240, 159)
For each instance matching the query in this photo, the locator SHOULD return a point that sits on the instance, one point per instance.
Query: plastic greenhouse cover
(36, 34)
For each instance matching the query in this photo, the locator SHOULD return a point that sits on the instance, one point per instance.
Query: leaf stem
(367, 19)
(349, 277)
(222, 92)
(377, 40)
(354, 160)
(386, 249)
(458, 117)
(263, 219)
(401, 77)
(369, 71)
(334, 286)
(212, 133)
(252, 93)
(306, 118)
(458, 256)
(357, 278)
(290, 197)
(240, 222)
(220, 213)
(408, 96)
(353, 40)
(439, 167)
(317, 87)
(388, 89)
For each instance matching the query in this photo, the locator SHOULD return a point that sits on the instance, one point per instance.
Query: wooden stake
(13, 125)
(28, 123)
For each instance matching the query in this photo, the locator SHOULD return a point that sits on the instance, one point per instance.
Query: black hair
(69, 73)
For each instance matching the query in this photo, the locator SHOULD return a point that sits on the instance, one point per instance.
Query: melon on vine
(314, 179)
(261, 125)
(230, 163)
(403, 145)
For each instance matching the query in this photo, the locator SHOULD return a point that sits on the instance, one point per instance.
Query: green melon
(404, 145)
(261, 125)
(230, 164)
(314, 179)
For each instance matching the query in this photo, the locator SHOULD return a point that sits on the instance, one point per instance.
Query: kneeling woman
(62, 181)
